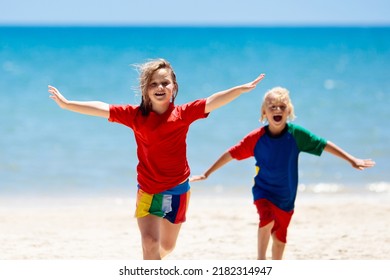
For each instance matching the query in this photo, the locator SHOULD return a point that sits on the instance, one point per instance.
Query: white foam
(379, 187)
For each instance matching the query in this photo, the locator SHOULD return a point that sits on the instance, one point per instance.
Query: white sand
(323, 227)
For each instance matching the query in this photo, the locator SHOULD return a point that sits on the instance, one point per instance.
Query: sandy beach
(324, 227)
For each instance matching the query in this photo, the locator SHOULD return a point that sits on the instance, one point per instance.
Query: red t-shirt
(161, 142)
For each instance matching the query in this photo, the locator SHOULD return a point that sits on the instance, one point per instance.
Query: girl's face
(276, 112)
(161, 88)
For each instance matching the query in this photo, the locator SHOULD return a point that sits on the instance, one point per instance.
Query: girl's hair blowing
(146, 71)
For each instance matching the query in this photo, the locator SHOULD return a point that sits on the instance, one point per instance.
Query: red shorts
(268, 212)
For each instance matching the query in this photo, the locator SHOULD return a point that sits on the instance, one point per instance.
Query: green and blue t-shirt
(276, 158)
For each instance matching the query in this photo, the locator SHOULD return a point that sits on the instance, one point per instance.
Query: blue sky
(195, 12)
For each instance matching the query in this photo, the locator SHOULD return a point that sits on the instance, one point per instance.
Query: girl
(160, 129)
(276, 148)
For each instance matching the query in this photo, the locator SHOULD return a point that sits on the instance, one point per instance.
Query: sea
(338, 78)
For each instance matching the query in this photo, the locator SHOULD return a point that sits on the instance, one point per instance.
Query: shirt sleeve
(308, 142)
(194, 110)
(246, 147)
(123, 114)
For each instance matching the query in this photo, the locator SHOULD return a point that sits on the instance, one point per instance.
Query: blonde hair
(146, 71)
(281, 95)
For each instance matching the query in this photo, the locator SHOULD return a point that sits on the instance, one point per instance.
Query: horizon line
(203, 25)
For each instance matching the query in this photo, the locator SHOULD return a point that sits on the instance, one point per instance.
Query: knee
(150, 245)
(277, 243)
(167, 247)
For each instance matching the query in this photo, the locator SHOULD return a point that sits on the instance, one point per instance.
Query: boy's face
(276, 112)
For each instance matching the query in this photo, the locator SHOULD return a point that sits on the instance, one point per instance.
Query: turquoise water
(339, 79)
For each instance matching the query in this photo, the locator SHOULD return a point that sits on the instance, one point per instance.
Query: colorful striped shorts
(172, 207)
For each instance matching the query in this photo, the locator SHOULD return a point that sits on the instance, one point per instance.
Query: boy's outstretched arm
(225, 158)
(222, 98)
(355, 162)
(92, 108)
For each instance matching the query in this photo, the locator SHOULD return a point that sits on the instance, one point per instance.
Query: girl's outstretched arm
(222, 98)
(355, 162)
(92, 108)
(225, 158)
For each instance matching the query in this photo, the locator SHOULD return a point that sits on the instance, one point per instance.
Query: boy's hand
(196, 178)
(363, 163)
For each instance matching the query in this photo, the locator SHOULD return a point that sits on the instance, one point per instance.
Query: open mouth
(159, 94)
(277, 118)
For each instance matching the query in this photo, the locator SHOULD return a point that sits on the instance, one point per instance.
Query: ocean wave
(317, 188)
(379, 187)
(376, 187)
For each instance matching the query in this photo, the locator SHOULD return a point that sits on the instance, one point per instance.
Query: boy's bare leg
(263, 236)
(277, 248)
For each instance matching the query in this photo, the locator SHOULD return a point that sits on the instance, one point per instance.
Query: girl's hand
(57, 97)
(224, 97)
(253, 84)
(91, 108)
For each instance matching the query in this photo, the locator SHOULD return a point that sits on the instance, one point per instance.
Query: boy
(276, 149)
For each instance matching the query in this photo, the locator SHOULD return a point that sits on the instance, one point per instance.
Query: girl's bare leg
(168, 236)
(149, 227)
